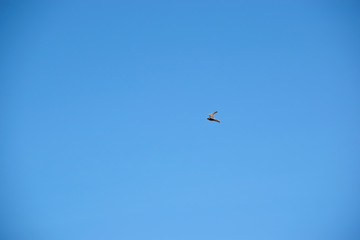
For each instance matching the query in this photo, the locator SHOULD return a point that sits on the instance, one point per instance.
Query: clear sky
(104, 132)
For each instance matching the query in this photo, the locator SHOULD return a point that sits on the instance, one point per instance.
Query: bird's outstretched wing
(211, 115)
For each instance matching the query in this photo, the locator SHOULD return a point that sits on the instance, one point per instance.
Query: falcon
(211, 117)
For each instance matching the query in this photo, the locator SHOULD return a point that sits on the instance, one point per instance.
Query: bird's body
(211, 117)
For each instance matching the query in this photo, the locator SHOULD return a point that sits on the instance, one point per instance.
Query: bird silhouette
(211, 117)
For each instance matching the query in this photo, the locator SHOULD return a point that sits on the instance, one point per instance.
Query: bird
(211, 117)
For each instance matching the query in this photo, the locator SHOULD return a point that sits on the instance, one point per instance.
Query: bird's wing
(211, 115)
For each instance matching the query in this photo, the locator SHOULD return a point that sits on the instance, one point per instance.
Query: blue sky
(104, 130)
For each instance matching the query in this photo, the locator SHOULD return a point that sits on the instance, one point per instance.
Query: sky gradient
(104, 132)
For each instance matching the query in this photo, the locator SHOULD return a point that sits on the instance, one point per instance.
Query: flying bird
(211, 117)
